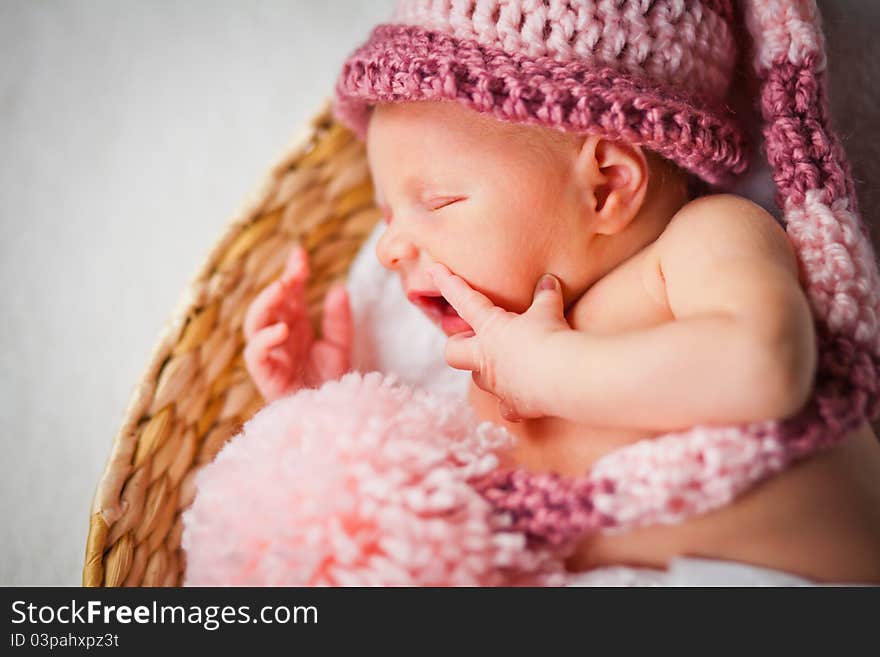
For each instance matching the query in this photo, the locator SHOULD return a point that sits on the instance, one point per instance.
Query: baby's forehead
(452, 114)
(452, 131)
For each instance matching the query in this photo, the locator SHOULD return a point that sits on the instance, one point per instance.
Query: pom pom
(362, 482)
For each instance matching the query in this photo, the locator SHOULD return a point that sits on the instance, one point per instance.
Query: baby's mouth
(435, 306)
(441, 312)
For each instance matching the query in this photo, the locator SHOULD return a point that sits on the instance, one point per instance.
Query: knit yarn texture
(653, 73)
(657, 73)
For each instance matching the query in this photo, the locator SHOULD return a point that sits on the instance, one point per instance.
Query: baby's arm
(741, 347)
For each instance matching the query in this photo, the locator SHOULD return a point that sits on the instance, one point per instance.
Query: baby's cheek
(507, 287)
(516, 276)
(495, 258)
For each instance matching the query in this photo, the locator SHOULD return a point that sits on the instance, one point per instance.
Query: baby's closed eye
(438, 203)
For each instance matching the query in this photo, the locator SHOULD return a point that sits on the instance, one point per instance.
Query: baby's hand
(503, 347)
(281, 353)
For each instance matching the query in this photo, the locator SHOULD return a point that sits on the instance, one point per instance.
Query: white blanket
(686, 571)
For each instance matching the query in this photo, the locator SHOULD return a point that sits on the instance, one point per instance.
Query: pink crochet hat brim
(402, 63)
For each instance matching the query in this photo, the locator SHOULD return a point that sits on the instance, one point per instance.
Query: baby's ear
(613, 176)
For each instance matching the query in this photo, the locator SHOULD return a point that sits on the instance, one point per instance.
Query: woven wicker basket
(196, 393)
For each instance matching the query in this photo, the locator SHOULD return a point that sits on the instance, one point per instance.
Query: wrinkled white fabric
(688, 571)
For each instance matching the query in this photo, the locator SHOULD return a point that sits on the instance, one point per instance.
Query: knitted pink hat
(653, 72)
(656, 72)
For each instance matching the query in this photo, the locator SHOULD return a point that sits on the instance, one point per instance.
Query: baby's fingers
(268, 367)
(296, 268)
(283, 300)
(473, 307)
(463, 351)
(336, 324)
(263, 310)
(327, 362)
(257, 349)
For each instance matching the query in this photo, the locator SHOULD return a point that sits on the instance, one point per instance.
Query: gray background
(130, 132)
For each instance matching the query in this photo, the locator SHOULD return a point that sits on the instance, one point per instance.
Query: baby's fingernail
(547, 282)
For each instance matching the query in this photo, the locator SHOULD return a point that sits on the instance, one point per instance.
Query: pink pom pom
(364, 481)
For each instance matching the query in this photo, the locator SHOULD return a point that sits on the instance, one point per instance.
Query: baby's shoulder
(725, 226)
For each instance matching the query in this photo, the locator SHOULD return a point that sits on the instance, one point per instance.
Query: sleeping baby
(596, 304)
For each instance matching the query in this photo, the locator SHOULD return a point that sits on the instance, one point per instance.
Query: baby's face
(495, 203)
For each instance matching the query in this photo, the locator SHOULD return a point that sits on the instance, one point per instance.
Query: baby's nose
(394, 249)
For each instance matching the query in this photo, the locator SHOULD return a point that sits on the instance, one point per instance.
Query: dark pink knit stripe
(404, 63)
(549, 509)
(846, 395)
(723, 8)
(803, 152)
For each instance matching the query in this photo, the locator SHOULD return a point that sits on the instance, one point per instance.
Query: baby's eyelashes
(432, 204)
(442, 202)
